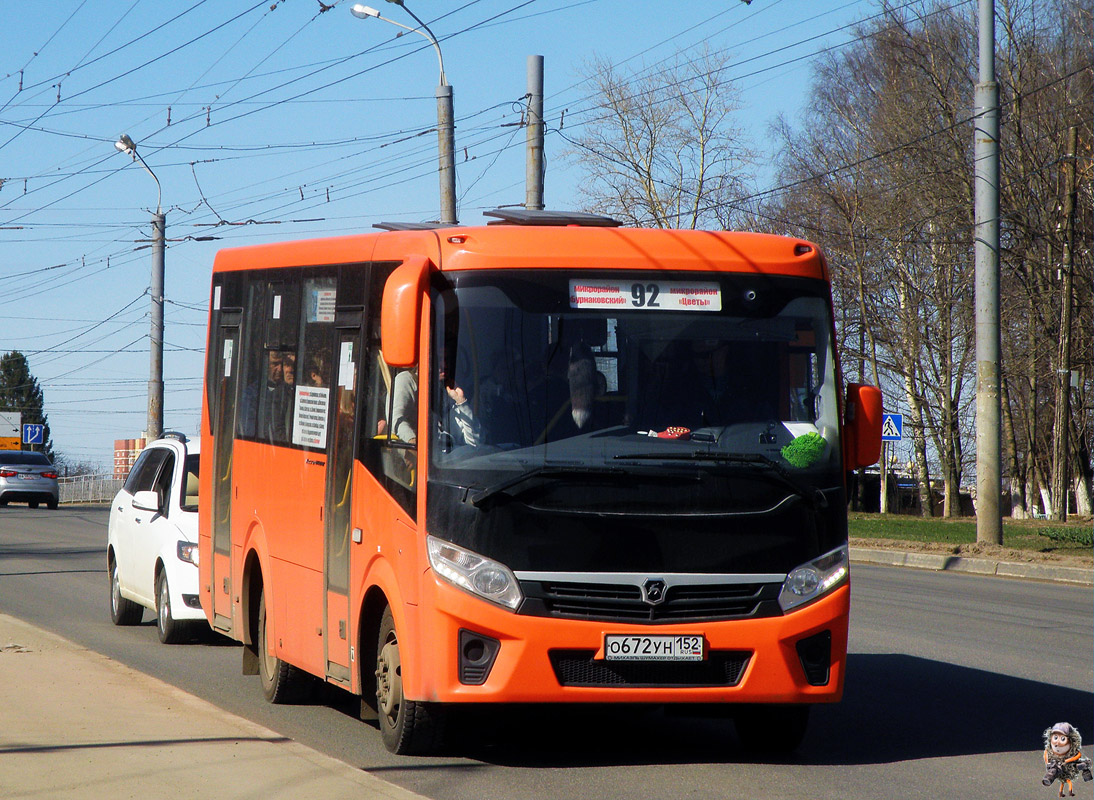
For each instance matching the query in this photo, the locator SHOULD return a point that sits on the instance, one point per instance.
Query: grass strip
(1036, 535)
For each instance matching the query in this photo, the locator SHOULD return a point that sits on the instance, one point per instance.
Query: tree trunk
(1061, 429)
(1017, 479)
(1081, 485)
(915, 417)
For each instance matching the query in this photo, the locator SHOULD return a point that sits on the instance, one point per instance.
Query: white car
(152, 541)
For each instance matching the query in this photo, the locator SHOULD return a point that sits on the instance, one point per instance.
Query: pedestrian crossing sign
(892, 427)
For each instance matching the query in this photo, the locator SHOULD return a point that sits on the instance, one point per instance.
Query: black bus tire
(281, 682)
(407, 727)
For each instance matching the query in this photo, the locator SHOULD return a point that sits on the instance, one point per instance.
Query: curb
(973, 566)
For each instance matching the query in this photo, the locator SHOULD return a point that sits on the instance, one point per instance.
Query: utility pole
(155, 341)
(1061, 429)
(533, 198)
(989, 485)
(155, 380)
(446, 147)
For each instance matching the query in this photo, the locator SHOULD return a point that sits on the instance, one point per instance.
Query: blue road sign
(34, 434)
(892, 427)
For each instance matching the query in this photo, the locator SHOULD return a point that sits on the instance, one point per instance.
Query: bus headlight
(814, 579)
(473, 573)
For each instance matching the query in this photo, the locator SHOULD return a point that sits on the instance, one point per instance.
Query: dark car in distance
(27, 477)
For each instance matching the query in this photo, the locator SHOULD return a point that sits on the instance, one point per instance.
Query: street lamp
(159, 226)
(446, 143)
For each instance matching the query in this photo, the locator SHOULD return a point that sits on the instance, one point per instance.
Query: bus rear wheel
(281, 682)
(407, 727)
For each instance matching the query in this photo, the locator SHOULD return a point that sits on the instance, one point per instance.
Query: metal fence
(89, 488)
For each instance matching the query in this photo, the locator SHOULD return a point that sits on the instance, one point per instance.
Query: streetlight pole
(159, 229)
(446, 127)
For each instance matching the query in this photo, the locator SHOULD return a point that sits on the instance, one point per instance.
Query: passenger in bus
(279, 418)
(404, 415)
(265, 404)
(317, 370)
(579, 412)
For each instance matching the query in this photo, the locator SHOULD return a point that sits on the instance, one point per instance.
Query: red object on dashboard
(674, 432)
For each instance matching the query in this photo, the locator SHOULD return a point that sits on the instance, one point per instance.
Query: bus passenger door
(337, 535)
(228, 366)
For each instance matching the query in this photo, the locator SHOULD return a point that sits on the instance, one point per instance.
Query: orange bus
(545, 460)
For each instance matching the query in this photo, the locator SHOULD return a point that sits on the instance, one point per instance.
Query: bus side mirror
(400, 315)
(862, 426)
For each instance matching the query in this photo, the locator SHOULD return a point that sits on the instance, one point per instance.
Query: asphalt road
(951, 679)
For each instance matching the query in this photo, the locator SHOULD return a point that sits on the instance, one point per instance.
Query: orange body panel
(511, 247)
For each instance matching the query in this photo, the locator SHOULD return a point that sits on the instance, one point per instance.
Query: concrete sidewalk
(76, 724)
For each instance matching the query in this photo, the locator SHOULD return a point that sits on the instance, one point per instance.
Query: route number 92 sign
(646, 295)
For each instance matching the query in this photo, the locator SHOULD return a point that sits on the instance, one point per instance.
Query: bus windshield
(547, 370)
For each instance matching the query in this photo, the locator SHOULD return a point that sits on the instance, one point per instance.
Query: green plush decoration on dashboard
(804, 450)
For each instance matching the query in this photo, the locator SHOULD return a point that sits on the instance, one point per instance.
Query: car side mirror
(401, 313)
(147, 501)
(862, 426)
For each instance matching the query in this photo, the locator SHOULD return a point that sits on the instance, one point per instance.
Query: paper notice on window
(346, 368)
(310, 416)
(325, 302)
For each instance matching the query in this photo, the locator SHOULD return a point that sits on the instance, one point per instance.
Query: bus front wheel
(407, 727)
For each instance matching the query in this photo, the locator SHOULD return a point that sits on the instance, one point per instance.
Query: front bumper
(542, 660)
(182, 581)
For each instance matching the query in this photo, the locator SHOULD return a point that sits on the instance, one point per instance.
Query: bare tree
(661, 147)
(881, 173)
(884, 128)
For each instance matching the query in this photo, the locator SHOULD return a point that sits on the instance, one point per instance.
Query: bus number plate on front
(619, 647)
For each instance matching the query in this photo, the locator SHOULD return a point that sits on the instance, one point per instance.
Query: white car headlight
(188, 551)
(814, 579)
(473, 573)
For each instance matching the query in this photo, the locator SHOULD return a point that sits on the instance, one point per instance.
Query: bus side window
(269, 362)
(390, 460)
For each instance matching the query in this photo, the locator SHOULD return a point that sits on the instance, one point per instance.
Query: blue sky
(279, 120)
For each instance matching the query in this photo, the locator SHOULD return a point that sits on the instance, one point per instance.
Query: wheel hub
(389, 688)
(164, 609)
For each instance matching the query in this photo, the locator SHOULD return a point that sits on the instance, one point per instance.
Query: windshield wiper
(481, 496)
(816, 499)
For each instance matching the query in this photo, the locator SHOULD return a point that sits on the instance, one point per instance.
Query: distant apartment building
(125, 453)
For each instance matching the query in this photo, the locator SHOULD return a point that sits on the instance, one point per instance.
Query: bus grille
(578, 668)
(624, 603)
